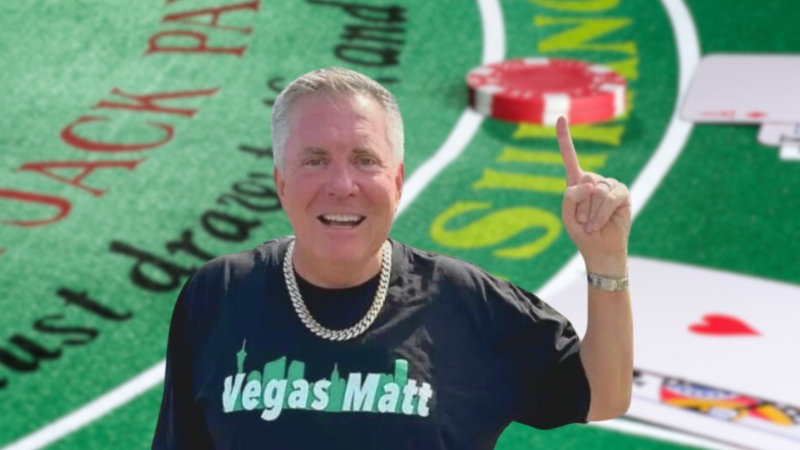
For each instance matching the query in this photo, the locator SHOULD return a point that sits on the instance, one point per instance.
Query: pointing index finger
(574, 172)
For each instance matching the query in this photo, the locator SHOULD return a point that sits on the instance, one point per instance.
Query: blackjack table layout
(135, 146)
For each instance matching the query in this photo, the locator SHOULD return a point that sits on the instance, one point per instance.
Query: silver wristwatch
(607, 284)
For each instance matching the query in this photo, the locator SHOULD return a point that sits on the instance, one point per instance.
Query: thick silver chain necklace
(347, 333)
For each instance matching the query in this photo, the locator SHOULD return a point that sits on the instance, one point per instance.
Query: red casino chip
(553, 86)
(537, 115)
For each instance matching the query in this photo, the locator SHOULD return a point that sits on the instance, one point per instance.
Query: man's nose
(341, 180)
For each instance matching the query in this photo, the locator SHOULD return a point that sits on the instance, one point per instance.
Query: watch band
(607, 284)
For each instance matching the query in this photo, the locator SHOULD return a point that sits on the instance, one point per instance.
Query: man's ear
(280, 183)
(399, 179)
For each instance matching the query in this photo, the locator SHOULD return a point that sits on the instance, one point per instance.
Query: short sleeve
(180, 422)
(542, 347)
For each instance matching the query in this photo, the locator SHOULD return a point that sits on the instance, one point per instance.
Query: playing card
(710, 334)
(775, 134)
(726, 416)
(744, 88)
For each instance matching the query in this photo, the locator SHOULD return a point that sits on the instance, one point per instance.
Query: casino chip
(539, 90)
(537, 115)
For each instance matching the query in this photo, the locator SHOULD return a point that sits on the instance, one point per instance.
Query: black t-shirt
(453, 357)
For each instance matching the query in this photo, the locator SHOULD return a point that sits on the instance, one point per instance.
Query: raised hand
(596, 212)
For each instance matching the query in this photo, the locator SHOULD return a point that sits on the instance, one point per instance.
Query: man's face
(339, 185)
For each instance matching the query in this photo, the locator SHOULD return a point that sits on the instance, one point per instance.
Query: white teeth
(342, 217)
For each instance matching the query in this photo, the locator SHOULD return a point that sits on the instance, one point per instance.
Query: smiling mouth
(341, 220)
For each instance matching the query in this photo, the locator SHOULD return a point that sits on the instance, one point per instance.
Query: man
(339, 337)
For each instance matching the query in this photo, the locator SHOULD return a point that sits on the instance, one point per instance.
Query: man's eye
(366, 161)
(313, 162)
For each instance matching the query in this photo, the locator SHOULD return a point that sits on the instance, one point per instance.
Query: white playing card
(744, 88)
(744, 421)
(726, 335)
(775, 134)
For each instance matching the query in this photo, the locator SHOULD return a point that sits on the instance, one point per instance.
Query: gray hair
(339, 82)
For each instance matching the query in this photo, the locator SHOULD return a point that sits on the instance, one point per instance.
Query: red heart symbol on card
(721, 325)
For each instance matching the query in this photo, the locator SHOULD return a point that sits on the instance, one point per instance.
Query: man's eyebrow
(363, 151)
(358, 151)
(314, 151)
